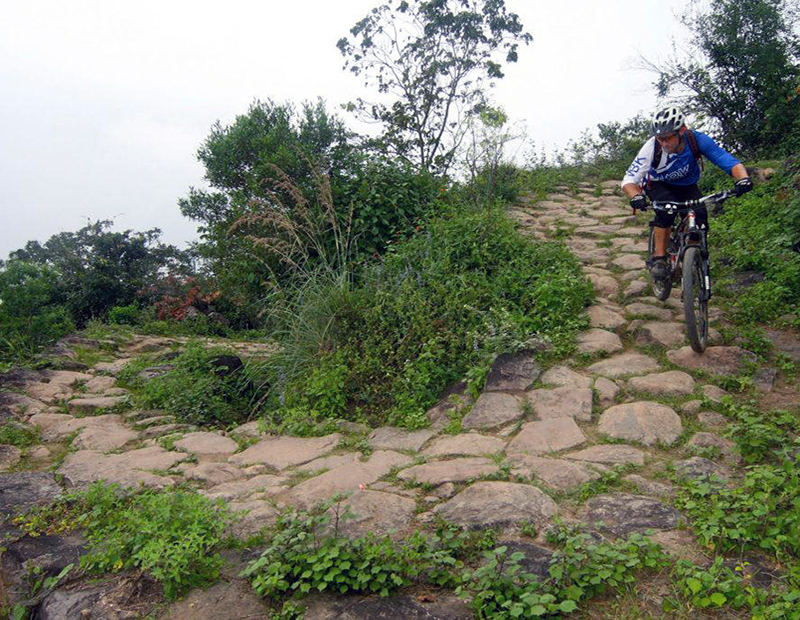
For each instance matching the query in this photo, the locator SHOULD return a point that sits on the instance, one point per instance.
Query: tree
(742, 76)
(98, 269)
(432, 61)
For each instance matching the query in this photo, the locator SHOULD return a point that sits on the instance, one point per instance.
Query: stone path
(530, 440)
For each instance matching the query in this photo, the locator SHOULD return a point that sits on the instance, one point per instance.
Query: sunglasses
(666, 137)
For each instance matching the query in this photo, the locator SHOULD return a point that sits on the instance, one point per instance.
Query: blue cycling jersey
(677, 168)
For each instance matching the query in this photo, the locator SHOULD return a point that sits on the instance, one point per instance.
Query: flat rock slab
(391, 438)
(624, 364)
(214, 474)
(238, 489)
(331, 462)
(635, 288)
(282, 452)
(231, 599)
(207, 446)
(564, 402)
(104, 437)
(556, 474)
(606, 391)
(786, 342)
(128, 469)
(671, 383)
(254, 515)
(344, 479)
(604, 317)
(622, 514)
(56, 426)
(715, 360)
(606, 286)
(113, 368)
(546, 436)
(512, 372)
(643, 422)
(493, 409)
(650, 487)
(699, 468)
(665, 334)
(376, 512)
(628, 262)
(536, 559)
(489, 504)
(84, 406)
(455, 470)
(598, 341)
(9, 456)
(21, 491)
(563, 376)
(396, 607)
(465, 444)
(648, 311)
(610, 454)
(99, 384)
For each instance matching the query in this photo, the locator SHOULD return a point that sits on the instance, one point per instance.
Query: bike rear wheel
(695, 300)
(661, 288)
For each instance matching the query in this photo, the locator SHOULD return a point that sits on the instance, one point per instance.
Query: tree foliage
(96, 269)
(431, 63)
(742, 74)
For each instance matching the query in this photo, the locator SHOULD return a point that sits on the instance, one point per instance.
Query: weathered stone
(452, 402)
(282, 452)
(233, 599)
(764, 379)
(237, 489)
(555, 473)
(21, 491)
(9, 456)
(331, 462)
(156, 420)
(250, 429)
(611, 454)
(153, 372)
(113, 368)
(699, 468)
(622, 514)
(455, 470)
(57, 426)
(604, 317)
(649, 311)
(344, 479)
(671, 383)
(112, 599)
(565, 402)
(466, 444)
(376, 512)
(104, 437)
(565, 377)
(391, 438)
(150, 345)
(629, 262)
(637, 287)
(214, 474)
(126, 469)
(489, 504)
(493, 409)
(100, 384)
(606, 391)
(395, 607)
(162, 430)
(691, 406)
(55, 384)
(46, 555)
(598, 341)
(604, 285)
(650, 487)
(624, 364)
(16, 405)
(85, 406)
(546, 436)
(662, 333)
(512, 371)
(712, 419)
(784, 341)
(715, 360)
(644, 422)
(207, 446)
(713, 393)
(710, 440)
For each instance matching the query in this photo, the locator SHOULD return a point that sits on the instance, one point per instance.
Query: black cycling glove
(743, 186)
(639, 202)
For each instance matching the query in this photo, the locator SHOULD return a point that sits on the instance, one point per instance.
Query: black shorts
(659, 191)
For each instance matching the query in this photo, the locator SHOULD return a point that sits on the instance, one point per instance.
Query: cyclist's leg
(662, 224)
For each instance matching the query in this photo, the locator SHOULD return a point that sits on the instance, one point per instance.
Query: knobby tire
(694, 308)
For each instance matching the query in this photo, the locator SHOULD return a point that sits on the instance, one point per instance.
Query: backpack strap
(692, 140)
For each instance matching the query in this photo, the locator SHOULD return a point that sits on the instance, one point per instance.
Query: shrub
(124, 315)
(170, 535)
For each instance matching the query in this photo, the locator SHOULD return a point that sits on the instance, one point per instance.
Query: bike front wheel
(661, 288)
(695, 299)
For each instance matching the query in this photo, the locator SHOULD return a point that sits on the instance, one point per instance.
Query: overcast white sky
(103, 103)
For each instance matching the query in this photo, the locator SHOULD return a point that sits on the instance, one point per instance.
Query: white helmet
(667, 120)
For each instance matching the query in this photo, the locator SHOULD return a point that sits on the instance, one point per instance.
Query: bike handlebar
(672, 205)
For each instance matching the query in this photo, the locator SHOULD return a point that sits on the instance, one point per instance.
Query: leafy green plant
(18, 435)
(170, 534)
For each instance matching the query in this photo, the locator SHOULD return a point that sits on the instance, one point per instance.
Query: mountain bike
(687, 260)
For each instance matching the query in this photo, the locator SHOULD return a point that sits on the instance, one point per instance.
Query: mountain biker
(675, 175)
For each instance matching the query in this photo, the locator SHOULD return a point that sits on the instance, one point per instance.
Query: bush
(466, 288)
(170, 535)
(197, 391)
(124, 315)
